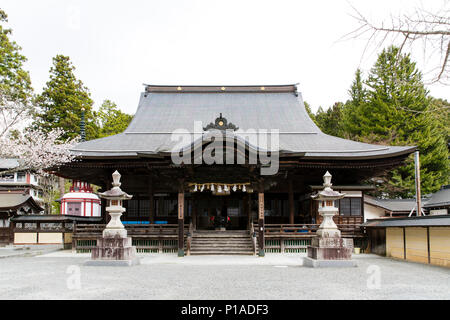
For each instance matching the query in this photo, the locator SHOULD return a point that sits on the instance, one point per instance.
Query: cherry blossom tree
(35, 149)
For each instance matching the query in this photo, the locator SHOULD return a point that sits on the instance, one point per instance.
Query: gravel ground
(163, 276)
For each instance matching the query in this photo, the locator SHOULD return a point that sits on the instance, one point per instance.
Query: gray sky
(116, 45)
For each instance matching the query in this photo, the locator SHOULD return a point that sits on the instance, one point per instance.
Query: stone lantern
(328, 249)
(115, 196)
(115, 247)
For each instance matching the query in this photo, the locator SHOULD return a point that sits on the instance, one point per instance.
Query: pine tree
(309, 112)
(441, 113)
(112, 120)
(350, 114)
(62, 100)
(397, 110)
(330, 121)
(15, 83)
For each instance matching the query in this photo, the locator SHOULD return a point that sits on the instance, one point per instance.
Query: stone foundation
(330, 252)
(116, 251)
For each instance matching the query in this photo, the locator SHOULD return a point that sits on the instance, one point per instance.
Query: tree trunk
(62, 187)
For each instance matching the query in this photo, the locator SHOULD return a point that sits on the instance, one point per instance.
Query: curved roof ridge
(159, 114)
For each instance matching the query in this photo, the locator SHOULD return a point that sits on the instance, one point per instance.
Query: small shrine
(328, 249)
(114, 247)
(81, 201)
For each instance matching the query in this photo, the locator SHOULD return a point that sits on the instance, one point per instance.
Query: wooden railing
(341, 220)
(147, 238)
(289, 238)
(294, 238)
(308, 230)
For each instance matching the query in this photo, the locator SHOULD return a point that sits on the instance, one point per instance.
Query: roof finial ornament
(221, 123)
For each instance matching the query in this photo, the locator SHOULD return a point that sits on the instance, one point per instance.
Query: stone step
(200, 230)
(221, 232)
(223, 245)
(219, 245)
(222, 249)
(220, 240)
(220, 236)
(221, 253)
(210, 242)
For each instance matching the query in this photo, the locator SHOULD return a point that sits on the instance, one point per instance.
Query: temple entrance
(221, 212)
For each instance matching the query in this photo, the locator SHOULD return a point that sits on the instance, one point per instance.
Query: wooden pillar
(248, 204)
(181, 223)
(61, 186)
(246, 210)
(291, 202)
(261, 221)
(194, 212)
(104, 202)
(151, 217)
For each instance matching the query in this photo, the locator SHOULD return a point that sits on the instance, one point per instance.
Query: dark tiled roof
(13, 201)
(424, 221)
(440, 198)
(8, 163)
(394, 205)
(163, 109)
(348, 188)
(54, 218)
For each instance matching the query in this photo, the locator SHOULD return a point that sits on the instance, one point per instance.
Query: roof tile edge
(220, 88)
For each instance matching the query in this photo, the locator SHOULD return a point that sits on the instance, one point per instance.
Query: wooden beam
(151, 217)
(291, 202)
(194, 212)
(181, 221)
(261, 220)
(246, 209)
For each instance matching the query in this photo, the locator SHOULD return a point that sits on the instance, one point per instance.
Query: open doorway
(221, 212)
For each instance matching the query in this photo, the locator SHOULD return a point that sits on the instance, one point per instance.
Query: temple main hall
(268, 185)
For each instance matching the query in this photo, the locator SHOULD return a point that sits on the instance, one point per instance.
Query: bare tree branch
(433, 28)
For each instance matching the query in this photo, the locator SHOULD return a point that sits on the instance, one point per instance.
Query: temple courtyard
(62, 275)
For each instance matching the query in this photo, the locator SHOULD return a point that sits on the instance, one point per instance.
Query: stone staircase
(211, 242)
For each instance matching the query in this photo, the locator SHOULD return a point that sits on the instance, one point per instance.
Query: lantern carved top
(115, 193)
(327, 193)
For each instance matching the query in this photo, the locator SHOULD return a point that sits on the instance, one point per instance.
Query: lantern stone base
(113, 251)
(330, 252)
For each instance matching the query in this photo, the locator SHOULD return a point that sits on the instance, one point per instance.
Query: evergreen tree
(15, 83)
(350, 114)
(112, 120)
(62, 100)
(397, 111)
(309, 112)
(330, 121)
(357, 92)
(441, 113)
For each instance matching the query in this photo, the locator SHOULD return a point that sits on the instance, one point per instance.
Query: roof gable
(164, 109)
